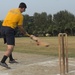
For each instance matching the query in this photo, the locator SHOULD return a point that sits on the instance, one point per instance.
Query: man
(13, 19)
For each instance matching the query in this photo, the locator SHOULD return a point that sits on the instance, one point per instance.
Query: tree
(63, 20)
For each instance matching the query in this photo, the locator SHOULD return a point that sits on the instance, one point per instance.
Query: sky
(39, 6)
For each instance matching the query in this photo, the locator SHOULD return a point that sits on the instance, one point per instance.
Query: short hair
(22, 5)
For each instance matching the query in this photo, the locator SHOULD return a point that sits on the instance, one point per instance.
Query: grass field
(26, 45)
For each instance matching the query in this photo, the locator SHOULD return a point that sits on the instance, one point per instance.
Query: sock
(4, 59)
(10, 57)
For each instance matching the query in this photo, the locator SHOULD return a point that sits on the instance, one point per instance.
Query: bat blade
(40, 43)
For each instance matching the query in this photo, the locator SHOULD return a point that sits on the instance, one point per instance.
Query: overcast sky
(39, 6)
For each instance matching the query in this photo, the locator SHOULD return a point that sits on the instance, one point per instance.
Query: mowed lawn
(26, 45)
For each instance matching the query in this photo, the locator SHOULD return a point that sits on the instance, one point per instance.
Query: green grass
(26, 45)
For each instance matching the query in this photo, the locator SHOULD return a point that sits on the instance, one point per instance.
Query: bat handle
(27, 34)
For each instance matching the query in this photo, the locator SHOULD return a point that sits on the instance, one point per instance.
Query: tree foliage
(41, 24)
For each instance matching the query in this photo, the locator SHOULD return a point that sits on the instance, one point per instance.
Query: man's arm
(23, 31)
(38, 42)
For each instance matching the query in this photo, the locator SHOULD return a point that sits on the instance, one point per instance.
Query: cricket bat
(39, 42)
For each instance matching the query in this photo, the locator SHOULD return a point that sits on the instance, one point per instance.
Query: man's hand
(34, 37)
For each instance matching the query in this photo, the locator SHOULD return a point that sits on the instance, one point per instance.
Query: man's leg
(6, 55)
(11, 57)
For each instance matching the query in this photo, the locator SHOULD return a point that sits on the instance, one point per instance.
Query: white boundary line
(68, 72)
(52, 63)
(44, 63)
(72, 64)
(4, 73)
(48, 62)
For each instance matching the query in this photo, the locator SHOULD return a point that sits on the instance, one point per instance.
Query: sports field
(38, 60)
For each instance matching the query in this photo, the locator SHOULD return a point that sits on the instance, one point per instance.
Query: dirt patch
(33, 64)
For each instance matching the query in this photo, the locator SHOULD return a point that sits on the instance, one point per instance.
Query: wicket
(63, 53)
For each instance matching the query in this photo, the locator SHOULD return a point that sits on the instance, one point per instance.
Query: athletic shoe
(13, 61)
(4, 65)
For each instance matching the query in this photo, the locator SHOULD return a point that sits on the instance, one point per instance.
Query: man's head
(22, 7)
